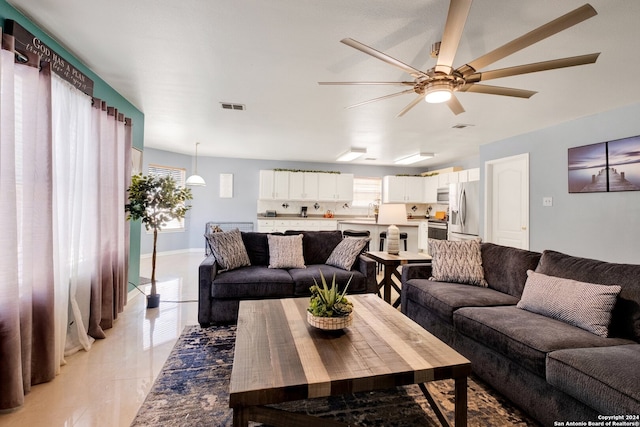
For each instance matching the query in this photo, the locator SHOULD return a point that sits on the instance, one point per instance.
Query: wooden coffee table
(391, 263)
(279, 358)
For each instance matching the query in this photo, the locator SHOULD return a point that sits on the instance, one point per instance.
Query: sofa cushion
(285, 251)
(585, 305)
(253, 282)
(604, 378)
(457, 261)
(345, 254)
(303, 278)
(524, 337)
(257, 246)
(625, 318)
(228, 249)
(318, 245)
(445, 298)
(505, 268)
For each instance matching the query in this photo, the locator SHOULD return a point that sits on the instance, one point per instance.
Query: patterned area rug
(192, 390)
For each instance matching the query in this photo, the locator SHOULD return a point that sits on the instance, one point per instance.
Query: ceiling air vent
(460, 126)
(230, 106)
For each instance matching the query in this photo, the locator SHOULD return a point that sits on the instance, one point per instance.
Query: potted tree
(156, 200)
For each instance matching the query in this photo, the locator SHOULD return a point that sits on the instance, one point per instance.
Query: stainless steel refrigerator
(464, 210)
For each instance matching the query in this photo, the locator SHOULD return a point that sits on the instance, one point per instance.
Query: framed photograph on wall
(624, 164)
(588, 168)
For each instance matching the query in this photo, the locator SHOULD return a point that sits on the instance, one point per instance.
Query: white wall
(603, 226)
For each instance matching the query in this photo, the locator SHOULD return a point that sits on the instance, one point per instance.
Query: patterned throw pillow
(585, 305)
(228, 249)
(345, 254)
(456, 261)
(286, 251)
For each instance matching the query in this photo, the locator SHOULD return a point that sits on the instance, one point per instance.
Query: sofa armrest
(367, 266)
(415, 271)
(206, 273)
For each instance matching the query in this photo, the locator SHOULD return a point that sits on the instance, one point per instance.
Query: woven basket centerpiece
(329, 309)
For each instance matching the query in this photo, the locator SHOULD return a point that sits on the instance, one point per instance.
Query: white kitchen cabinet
(463, 176)
(303, 186)
(402, 189)
(335, 187)
(431, 184)
(274, 185)
(474, 174)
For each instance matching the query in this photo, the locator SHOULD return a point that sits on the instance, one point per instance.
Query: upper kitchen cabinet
(303, 186)
(431, 184)
(402, 189)
(474, 174)
(335, 187)
(274, 185)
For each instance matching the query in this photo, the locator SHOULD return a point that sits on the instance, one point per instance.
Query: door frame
(488, 192)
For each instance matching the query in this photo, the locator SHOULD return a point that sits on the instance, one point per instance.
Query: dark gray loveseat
(220, 293)
(551, 369)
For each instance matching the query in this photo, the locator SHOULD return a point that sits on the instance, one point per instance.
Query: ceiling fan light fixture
(352, 154)
(438, 92)
(414, 158)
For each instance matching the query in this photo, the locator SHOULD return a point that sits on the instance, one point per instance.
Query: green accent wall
(100, 90)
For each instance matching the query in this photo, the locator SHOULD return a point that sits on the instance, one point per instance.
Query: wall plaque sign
(27, 42)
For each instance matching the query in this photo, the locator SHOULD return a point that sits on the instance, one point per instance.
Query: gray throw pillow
(585, 305)
(285, 251)
(345, 254)
(228, 249)
(456, 261)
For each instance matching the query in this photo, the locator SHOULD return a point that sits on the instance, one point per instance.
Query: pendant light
(195, 179)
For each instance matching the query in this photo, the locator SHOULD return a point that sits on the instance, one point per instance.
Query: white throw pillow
(285, 251)
(585, 305)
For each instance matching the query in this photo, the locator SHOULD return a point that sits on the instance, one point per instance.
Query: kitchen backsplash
(339, 208)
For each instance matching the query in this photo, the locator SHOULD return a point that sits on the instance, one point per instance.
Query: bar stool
(383, 236)
(357, 233)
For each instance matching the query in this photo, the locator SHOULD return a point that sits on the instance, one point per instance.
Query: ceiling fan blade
(498, 90)
(411, 105)
(456, 19)
(383, 57)
(381, 98)
(455, 105)
(533, 68)
(562, 23)
(368, 83)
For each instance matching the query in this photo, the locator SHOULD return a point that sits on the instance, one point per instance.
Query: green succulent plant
(328, 301)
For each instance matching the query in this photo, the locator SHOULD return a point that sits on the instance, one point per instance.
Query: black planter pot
(153, 301)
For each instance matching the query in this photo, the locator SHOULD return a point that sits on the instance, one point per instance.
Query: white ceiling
(178, 60)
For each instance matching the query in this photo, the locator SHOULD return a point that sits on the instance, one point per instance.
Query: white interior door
(507, 201)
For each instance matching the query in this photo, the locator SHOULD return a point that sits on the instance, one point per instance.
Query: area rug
(193, 390)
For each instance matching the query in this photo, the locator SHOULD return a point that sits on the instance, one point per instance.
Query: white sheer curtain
(64, 170)
(75, 202)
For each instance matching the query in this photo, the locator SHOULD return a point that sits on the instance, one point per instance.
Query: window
(366, 191)
(179, 176)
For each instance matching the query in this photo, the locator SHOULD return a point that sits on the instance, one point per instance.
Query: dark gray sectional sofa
(220, 293)
(551, 369)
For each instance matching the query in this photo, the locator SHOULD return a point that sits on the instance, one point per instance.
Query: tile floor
(106, 385)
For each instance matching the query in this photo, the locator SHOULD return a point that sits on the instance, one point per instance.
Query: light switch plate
(547, 201)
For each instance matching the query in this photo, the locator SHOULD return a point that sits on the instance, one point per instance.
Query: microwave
(443, 195)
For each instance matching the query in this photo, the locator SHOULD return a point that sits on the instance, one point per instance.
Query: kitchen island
(411, 228)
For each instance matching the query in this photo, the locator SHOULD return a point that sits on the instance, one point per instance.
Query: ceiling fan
(439, 83)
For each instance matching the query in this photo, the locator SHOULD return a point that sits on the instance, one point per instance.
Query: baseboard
(176, 252)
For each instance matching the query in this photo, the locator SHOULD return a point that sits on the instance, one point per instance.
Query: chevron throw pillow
(585, 305)
(456, 261)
